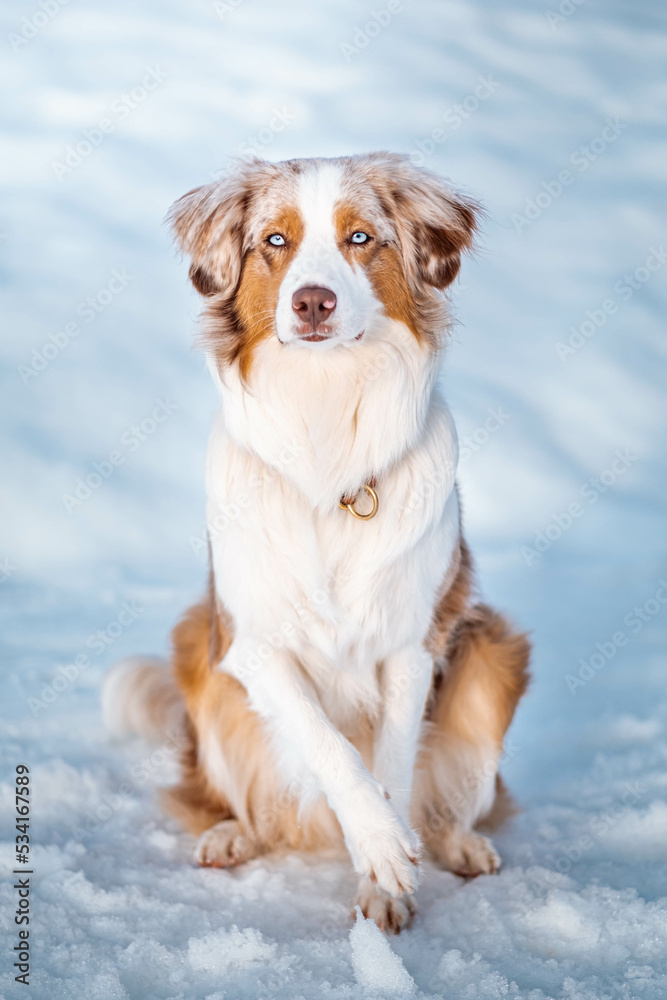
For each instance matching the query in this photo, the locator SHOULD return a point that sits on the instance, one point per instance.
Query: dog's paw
(224, 846)
(383, 849)
(390, 914)
(466, 854)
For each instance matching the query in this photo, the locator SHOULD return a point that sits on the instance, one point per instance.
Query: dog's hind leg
(225, 845)
(457, 786)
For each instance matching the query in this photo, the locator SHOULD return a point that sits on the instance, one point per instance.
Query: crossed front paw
(383, 849)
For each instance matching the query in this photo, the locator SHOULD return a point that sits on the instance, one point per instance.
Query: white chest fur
(294, 570)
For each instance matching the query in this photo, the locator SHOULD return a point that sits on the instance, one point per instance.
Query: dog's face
(316, 252)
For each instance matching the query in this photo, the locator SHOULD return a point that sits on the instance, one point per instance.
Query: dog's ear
(435, 225)
(209, 225)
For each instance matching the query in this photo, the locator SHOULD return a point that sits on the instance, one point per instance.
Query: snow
(579, 910)
(375, 965)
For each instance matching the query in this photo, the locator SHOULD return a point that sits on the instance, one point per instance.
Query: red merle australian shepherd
(338, 683)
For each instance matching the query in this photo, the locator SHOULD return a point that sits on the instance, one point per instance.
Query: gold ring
(363, 517)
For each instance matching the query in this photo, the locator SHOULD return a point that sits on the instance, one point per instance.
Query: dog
(339, 682)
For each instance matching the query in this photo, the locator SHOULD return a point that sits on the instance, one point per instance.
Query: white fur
(320, 262)
(330, 613)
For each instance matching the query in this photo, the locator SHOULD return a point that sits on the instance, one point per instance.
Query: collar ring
(350, 506)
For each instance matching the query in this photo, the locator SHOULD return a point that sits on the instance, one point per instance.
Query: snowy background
(579, 911)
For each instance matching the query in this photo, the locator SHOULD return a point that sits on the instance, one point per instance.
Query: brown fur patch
(193, 802)
(208, 224)
(481, 672)
(472, 705)
(257, 296)
(389, 282)
(381, 261)
(221, 627)
(435, 225)
(486, 676)
(348, 220)
(454, 599)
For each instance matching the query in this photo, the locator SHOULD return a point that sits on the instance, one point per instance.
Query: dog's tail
(140, 697)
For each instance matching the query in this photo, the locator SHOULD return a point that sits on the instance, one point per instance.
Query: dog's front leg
(406, 681)
(381, 845)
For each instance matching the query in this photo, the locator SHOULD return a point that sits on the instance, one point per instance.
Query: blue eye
(359, 238)
(277, 240)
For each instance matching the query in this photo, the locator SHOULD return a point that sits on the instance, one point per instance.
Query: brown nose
(313, 305)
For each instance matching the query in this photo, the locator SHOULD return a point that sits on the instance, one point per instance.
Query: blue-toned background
(554, 116)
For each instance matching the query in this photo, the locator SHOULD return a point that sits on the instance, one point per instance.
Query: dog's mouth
(309, 335)
(317, 338)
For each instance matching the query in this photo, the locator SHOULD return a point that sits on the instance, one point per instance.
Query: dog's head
(316, 252)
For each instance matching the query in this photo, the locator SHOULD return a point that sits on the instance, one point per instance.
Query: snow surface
(579, 911)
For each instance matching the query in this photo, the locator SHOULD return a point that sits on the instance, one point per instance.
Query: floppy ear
(443, 237)
(209, 225)
(435, 224)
